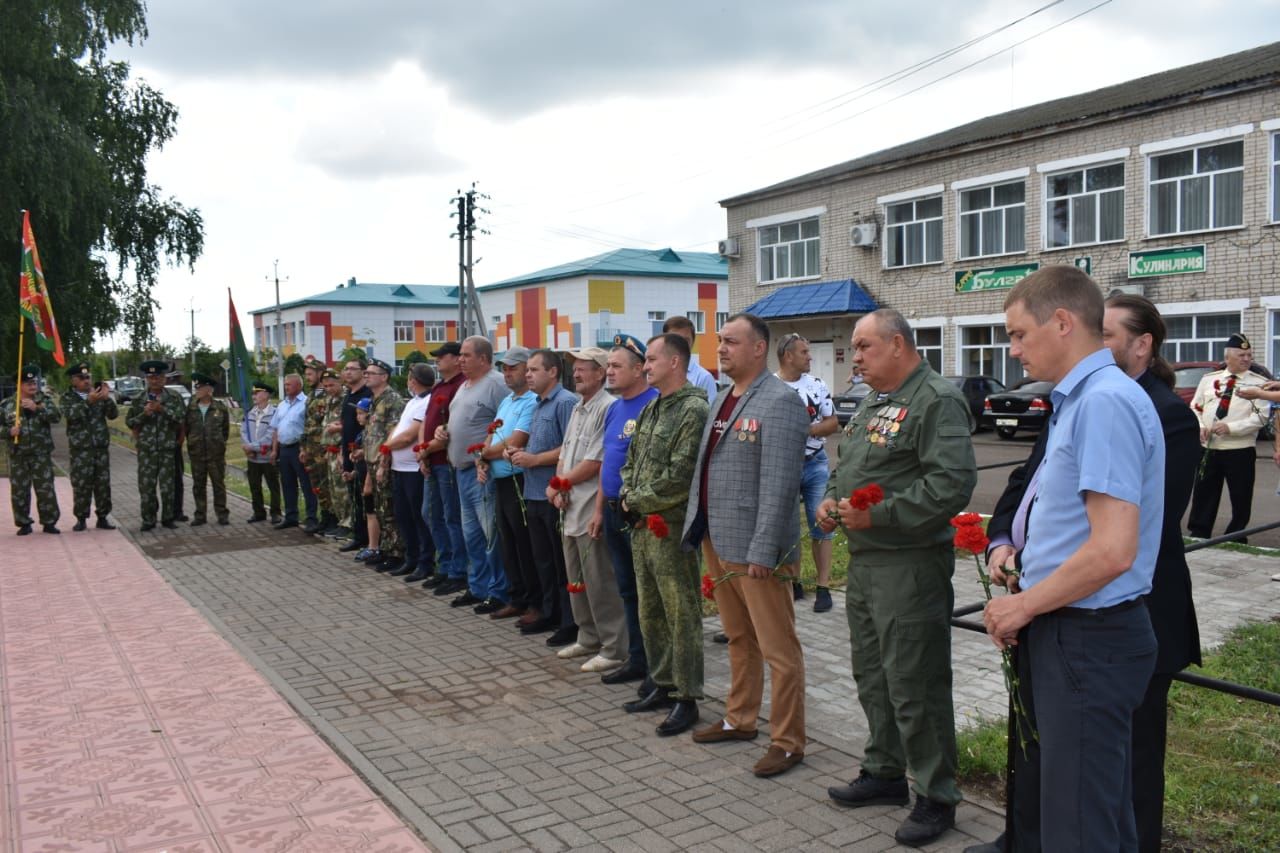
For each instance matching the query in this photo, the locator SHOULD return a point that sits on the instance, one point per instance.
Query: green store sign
(995, 278)
(1176, 261)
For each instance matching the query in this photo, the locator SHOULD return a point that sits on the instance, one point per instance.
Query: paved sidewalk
(130, 724)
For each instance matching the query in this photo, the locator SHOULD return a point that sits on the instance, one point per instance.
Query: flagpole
(22, 330)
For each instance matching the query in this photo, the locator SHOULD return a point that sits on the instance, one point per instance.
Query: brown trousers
(759, 618)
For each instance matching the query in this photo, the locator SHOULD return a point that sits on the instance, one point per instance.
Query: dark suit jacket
(1173, 614)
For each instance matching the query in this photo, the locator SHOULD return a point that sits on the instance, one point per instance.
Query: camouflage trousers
(339, 490)
(91, 481)
(318, 471)
(383, 495)
(668, 588)
(211, 467)
(30, 472)
(155, 475)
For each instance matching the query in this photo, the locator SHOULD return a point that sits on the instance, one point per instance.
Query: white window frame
(1001, 349)
(925, 349)
(1047, 202)
(1194, 144)
(699, 321)
(1273, 170)
(658, 316)
(990, 182)
(398, 327)
(722, 317)
(801, 242)
(894, 201)
(435, 331)
(1211, 340)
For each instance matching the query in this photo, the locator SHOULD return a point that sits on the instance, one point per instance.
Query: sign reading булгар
(992, 278)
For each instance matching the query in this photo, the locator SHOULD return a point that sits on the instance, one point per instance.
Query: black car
(1026, 405)
(848, 401)
(976, 389)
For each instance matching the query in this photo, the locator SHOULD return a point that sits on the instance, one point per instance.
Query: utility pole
(470, 317)
(279, 336)
(191, 344)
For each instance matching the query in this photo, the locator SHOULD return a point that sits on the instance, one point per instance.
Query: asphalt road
(990, 449)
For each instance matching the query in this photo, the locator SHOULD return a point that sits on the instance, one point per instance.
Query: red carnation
(384, 450)
(315, 491)
(351, 445)
(971, 538)
(708, 587)
(476, 448)
(867, 496)
(332, 448)
(561, 484)
(966, 519)
(657, 526)
(494, 427)
(576, 587)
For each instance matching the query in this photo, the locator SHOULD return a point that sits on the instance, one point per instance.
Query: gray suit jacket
(753, 491)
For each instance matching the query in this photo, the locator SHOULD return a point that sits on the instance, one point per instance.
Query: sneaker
(867, 790)
(927, 821)
(822, 600)
(600, 663)
(575, 650)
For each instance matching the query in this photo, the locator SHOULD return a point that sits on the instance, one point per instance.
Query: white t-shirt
(817, 402)
(415, 410)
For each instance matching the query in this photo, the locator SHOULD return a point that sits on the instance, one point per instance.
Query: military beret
(81, 369)
(262, 386)
(313, 363)
(30, 373)
(1239, 341)
(330, 373)
(203, 379)
(363, 404)
(154, 368)
(381, 365)
(630, 342)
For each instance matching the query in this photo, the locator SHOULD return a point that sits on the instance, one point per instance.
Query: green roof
(657, 263)
(353, 293)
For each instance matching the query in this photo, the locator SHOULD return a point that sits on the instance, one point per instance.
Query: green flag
(238, 375)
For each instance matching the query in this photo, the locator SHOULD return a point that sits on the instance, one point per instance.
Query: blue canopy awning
(804, 300)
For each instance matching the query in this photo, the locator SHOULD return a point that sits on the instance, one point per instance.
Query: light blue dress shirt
(1104, 437)
(702, 378)
(516, 413)
(290, 419)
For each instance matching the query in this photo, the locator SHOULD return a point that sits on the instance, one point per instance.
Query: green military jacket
(384, 415)
(313, 422)
(663, 454)
(87, 422)
(156, 432)
(36, 437)
(915, 444)
(207, 435)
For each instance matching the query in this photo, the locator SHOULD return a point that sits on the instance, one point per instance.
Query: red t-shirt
(438, 414)
(718, 429)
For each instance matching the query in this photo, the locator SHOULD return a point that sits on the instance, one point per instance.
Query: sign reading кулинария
(1176, 261)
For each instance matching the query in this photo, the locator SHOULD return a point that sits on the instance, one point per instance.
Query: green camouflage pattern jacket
(313, 422)
(664, 453)
(36, 437)
(156, 432)
(384, 415)
(87, 422)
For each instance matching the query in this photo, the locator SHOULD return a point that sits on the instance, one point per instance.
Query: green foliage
(414, 358)
(294, 364)
(75, 133)
(351, 352)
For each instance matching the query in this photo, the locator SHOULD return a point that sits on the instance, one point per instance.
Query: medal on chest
(883, 427)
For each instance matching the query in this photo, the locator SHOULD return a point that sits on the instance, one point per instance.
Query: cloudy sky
(331, 135)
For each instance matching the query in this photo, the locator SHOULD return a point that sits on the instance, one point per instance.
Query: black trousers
(355, 491)
(257, 472)
(523, 585)
(1237, 468)
(179, 484)
(548, 560)
(406, 505)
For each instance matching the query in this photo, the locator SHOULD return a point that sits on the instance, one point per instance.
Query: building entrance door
(822, 355)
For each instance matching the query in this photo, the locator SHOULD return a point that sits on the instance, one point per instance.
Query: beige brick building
(1167, 185)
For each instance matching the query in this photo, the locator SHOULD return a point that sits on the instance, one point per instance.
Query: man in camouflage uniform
(87, 408)
(331, 435)
(155, 419)
(313, 454)
(655, 482)
(30, 444)
(384, 414)
(208, 426)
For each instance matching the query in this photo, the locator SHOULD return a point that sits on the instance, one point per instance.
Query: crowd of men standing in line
(590, 515)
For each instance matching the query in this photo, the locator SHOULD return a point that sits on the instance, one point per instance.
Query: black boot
(681, 718)
(104, 523)
(80, 525)
(655, 701)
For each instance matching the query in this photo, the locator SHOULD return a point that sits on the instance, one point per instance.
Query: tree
(75, 132)
(294, 364)
(350, 353)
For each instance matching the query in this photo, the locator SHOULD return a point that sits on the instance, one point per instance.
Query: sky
(330, 137)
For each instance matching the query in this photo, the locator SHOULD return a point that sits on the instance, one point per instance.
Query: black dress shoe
(285, 525)
(623, 674)
(311, 526)
(539, 626)
(254, 519)
(655, 701)
(199, 522)
(171, 524)
(465, 600)
(419, 576)
(182, 516)
(275, 519)
(489, 605)
(434, 581)
(563, 636)
(996, 846)
(720, 637)
(50, 528)
(646, 687)
(150, 525)
(224, 521)
(353, 545)
(390, 564)
(401, 570)
(25, 530)
(79, 525)
(682, 717)
(104, 523)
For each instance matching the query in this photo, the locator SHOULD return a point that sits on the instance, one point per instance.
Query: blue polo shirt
(546, 431)
(515, 414)
(619, 424)
(1104, 437)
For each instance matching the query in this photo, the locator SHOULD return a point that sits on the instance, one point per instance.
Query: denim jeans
(813, 485)
(618, 539)
(293, 474)
(485, 575)
(443, 512)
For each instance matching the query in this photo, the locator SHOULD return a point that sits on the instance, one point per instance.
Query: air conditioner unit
(728, 247)
(1131, 289)
(863, 234)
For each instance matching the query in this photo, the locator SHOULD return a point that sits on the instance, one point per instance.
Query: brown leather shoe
(506, 612)
(716, 733)
(529, 617)
(776, 761)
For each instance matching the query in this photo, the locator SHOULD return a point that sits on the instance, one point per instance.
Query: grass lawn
(1222, 765)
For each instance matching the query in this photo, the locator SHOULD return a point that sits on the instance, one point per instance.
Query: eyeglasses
(375, 373)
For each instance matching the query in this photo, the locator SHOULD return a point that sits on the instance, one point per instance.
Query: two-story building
(1168, 185)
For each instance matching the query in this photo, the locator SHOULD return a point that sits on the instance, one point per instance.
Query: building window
(1275, 181)
(656, 319)
(699, 321)
(1200, 337)
(984, 351)
(302, 333)
(1198, 189)
(914, 232)
(435, 331)
(929, 345)
(993, 220)
(722, 317)
(403, 331)
(1084, 206)
(789, 251)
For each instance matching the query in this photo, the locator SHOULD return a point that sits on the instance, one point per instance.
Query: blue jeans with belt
(443, 513)
(293, 474)
(485, 575)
